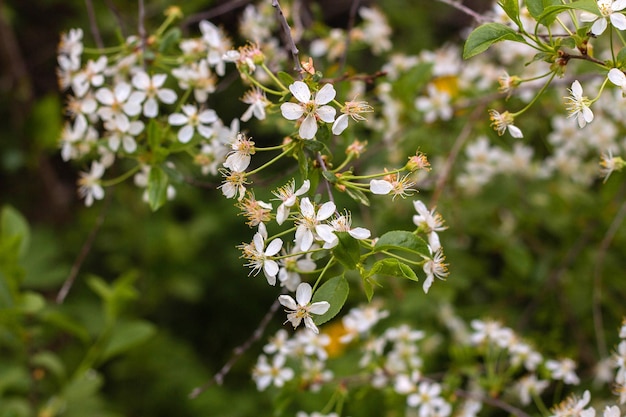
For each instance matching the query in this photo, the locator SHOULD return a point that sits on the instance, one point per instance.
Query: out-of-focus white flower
(153, 88)
(192, 120)
(578, 105)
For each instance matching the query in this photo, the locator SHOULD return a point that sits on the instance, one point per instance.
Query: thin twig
(214, 12)
(93, 24)
(290, 42)
(141, 26)
(218, 378)
(451, 159)
(118, 17)
(494, 402)
(84, 251)
(459, 6)
(597, 277)
(320, 160)
(351, 19)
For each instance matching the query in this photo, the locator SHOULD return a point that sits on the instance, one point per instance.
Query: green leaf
(335, 291)
(511, 8)
(621, 58)
(535, 7)
(285, 78)
(157, 188)
(486, 35)
(402, 240)
(50, 362)
(170, 39)
(358, 196)
(12, 225)
(329, 176)
(347, 251)
(127, 335)
(155, 134)
(393, 267)
(551, 12)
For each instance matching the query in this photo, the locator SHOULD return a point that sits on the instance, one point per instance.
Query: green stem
(262, 87)
(331, 261)
(265, 165)
(121, 178)
(274, 78)
(543, 89)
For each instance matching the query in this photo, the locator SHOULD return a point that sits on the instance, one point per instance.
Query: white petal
(618, 5)
(291, 111)
(587, 114)
(185, 134)
(205, 131)
(360, 233)
(308, 128)
(150, 108)
(141, 80)
(105, 96)
(308, 322)
(282, 213)
(326, 232)
(177, 119)
(288, 302)
(427, 283)
(305, 187)
(326, 94)
(327, 113)
(588, 17)
(340, 124)
(300, 91)
(577, 89)
(207, 116)
(270, 269)
(326, 210)
(307, 240)
(167, 96)
(274, 247)
(617, 77)
(320, 307)
(303, 294)
(618, 20)
(599, 26)
(515, 131)
(380, 187)
(306, 208)
(122, 91)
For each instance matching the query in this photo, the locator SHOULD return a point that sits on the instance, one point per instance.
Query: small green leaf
(621, 58)
(347, 251)
(368, 287)
(358, 196)
(511, 8)
(154, 134)
(170, 39)
(393, 267)
(157, 188)
(402, 240)
(335, 291)
(486, 35)
(329, 176)
(50, 362)
(13, 224)
(313, 145)
(551, 12)
(127, 335)
(285, 78)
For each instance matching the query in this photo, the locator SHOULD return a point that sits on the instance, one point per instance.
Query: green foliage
(486, 35)
(335, 291)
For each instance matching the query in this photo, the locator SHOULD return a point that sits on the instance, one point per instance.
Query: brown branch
(118, 17)
(494, 402)
(351, 19)
(93, 24)
(141, 27)
(290, 42)
(218, 378)
(84, 251)
(214, 12)
(451, 159)
(459, 6)
(597, 276)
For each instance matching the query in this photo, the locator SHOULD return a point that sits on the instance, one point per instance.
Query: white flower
(310, 109)
(528, 386)
(119, 104)
(609, 9)
(242, 149)
(89, 186)
(434, 268)
(265, 374)
(611, 411)
(301, 308)
(260, 257)
(618, 78)
(436, 105)
(502, 122)
(343, 223)
(563, 370)
(309, 222)
(124, 136)
(258, 102)
(153, 89)
(428, 222)
(578, 105)
(380, 187)
(192, 120)
(288, 195)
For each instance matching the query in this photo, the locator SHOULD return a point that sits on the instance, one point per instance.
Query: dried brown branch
(287, 31)
(93, 24)
(218, 378)
(459, 6)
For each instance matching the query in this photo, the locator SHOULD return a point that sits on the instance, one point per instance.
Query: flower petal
(308, 128)
(303, 294)
(327, 113)
(300, 91)
(326, 94)
(617, 77)
(288, 302)
(291, 111)
(319, 307)
(340, 124)
(380, 187)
